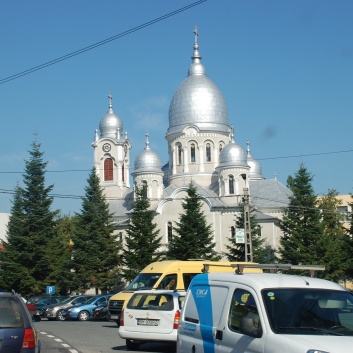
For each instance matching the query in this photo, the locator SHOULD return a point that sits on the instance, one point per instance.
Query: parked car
(151, 315)
(84, 312)
(100, 313)
(17, 331)
(54, 311)
(48, 301)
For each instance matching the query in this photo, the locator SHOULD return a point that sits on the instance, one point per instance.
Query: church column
(201, 156)
(174, 159)
(186, 166)
(119, 174)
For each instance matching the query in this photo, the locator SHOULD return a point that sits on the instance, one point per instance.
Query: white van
(269, 312)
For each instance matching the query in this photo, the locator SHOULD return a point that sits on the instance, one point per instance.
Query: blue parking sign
(50, 290)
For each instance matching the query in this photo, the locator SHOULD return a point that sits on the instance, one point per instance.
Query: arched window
(123, 172)
(220, 147)
(232, 232)
(208, 152)
(108, 169)
(193, 153)
(144, 188)
(231, 184)
(179, 155)
(170, 231)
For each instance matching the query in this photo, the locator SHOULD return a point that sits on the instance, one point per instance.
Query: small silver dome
(147, 160)
(255, 171)
(111, 125)
(198, 101)
(233, 155)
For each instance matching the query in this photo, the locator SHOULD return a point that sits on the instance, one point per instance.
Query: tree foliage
(262, 253)
(96, 249)
(337, 256)
(194, 238)
(142, 238)
(26, 263)
(301, 243)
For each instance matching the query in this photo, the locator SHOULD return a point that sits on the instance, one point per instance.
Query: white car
(151, 316)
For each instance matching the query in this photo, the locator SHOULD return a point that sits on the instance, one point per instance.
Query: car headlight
(49, 309)
(315, 351)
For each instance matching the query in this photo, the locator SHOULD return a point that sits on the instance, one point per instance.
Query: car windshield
(90, 300)
(144, 281)
(299, 311)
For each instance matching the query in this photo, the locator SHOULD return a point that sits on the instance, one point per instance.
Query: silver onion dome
(198, 101)
(111, 125)
(233, 155)
(255, 171)
(147, 160)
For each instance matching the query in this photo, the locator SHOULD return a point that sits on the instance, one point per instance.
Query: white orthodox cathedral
(201, 150)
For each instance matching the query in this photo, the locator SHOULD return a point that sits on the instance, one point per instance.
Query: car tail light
(29, 339)
(122, 318)
(176, 319)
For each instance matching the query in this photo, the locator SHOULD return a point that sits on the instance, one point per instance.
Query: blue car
(85, 311)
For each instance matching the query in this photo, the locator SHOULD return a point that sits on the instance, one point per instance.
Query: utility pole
(247, 227)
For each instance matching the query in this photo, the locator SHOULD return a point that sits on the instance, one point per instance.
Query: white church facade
(201, 150)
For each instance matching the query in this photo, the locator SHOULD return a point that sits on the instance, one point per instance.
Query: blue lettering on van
(203, 301)
(189, 327)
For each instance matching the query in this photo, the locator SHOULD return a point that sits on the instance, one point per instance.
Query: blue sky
(284, 67)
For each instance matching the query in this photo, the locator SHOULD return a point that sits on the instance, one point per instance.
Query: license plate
(148, 322)
(114, 317)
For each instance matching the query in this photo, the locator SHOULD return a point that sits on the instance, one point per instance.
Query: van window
(168, 282)
(243, 312)
(309, 311)
(144, 281)
(187, 277)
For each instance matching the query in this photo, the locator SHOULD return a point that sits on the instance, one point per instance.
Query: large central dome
(198, 101)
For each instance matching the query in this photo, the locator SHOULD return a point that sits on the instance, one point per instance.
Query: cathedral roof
(110, 125)
(147, 160)
(269, 194)
(198, 101)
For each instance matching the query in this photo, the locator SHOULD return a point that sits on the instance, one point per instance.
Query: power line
(95, 45)
(259, 159)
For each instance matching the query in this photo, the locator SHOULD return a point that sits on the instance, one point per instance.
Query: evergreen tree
(31, 232)
(337, 256)
(62, 275)
(301, 243)
(142, 238)
(194, 238)
(96, 249)
(261, 252)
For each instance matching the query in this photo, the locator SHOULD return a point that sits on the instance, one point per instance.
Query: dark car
(17, 331)
(100, 313)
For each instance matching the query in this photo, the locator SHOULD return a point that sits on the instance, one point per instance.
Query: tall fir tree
(62, 276)
(338, 246)
(142, 238)
(31, 231)
(194, 238)
(301, 242)
(236, 251)
(96, 249)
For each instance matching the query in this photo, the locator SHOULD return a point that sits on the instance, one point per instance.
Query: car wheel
(132, 346)
(60, 316)
(36, 318)
(83, 315)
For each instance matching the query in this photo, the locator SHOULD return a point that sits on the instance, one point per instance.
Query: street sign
(239, 236)
(50, 290)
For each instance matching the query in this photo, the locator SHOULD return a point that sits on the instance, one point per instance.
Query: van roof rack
(239, 267)
(279, 267)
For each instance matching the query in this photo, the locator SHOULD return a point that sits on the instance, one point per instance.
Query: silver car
(54, 311)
